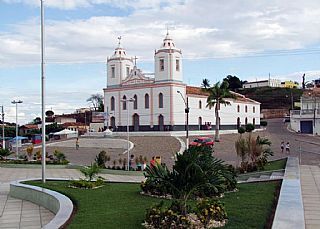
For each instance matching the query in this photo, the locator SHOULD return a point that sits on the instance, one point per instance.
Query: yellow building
(289, 84)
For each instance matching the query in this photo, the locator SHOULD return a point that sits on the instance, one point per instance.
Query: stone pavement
(310, 185)
(15, 213)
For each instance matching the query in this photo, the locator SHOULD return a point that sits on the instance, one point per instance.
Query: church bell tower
(168, 61)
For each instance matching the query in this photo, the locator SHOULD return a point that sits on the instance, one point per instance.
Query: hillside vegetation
(272, 98)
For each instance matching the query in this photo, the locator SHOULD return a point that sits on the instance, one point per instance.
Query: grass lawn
(275, 165)
(119, 205)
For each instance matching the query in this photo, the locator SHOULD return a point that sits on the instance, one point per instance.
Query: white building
(157, 105)
(263, 83)
(307, 120)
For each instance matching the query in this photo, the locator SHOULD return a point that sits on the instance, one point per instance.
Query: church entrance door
(161, 123)
(136, 122)
(113, 123)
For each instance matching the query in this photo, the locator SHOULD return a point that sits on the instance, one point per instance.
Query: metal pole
(3, 137)
(187, 128)
(292, 106)
(17, 154)
(43, 126)
(127, 102)
(300, 152)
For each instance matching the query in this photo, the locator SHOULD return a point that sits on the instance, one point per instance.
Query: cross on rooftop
(135, 60)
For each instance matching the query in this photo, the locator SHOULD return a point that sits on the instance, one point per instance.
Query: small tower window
(168, 43)
(160, 100)
(124, 103)
(128, 71)
(200, 104)
(146, 101)
(177, 65)
(135, 102)
(112, 103)
(113, 72)
(161, 64)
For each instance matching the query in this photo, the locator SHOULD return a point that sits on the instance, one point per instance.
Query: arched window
(146, 101)
(135, 102)
(246, 121)
(254, 109)
(254, 121)
(200, 122)
(238, 108)
(112, 103)
(124, 103)
(200, 104)
(246, 109)
(160, 100)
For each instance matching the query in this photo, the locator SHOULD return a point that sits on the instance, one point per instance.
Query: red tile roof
(191, 90)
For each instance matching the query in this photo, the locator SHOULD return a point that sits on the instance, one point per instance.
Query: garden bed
(119, 205)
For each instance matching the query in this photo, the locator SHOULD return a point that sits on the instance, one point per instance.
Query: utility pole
(3, 137)
(43, 126)
(186, 110)
(17, 134)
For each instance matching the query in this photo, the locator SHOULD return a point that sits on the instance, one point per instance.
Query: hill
(272, 98)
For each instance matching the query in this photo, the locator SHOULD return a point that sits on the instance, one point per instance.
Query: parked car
(202, 141)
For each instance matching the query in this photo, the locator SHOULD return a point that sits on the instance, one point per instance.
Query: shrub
(209, 210)
(263, 123)
(30, 151)
(102, 158)
(250, 127)
(4, 153)
(241, 130)
(60, 157)
(85, 184)
(91, 171)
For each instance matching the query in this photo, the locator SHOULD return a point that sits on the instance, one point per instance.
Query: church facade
(157, 102)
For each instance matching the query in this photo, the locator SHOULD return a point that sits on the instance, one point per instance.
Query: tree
(234, 82)
(49, 113)
(97, 101)
(217, 95)
(37, 120)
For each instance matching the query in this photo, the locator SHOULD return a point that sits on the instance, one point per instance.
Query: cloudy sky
(246, 38)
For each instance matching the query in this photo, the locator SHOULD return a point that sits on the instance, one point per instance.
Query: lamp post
(291, 96)
(3, 140)
(128, 131)
(16, 103)
(43, 123)
(186, 110)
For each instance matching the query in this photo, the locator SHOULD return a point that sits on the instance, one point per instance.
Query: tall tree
(234, 82)
(96, 100)
(218, 93)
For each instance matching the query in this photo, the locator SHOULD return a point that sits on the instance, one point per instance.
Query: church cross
(135, 60)
(119, 38)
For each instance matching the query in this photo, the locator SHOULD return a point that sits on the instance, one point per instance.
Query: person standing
(77, 144)
(282, 146)
(288, 148)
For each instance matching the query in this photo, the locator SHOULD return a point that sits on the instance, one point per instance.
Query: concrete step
(265, 177)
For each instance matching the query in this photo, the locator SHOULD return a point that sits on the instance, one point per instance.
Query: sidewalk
(310, 186)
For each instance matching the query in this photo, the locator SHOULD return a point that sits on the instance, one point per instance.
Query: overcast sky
(248, 38)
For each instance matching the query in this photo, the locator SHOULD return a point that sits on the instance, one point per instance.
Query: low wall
(59, 204)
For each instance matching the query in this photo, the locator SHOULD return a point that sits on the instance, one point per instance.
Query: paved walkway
(15, 213)
(310, 185)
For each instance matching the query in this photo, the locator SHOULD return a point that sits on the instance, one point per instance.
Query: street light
(314, 109)
(16, 102)
(43, 123)
(287, 96)
(3, 140)
(128, 131)
(186, 110)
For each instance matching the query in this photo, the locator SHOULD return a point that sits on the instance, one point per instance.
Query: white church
(156, 102)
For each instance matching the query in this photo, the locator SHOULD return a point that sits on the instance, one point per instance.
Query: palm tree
(217, 95)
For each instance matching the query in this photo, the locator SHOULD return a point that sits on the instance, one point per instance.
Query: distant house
(28, 129)
(61, 119)
(81, 128)
(289, 84)
(307, 120)
(263, 83)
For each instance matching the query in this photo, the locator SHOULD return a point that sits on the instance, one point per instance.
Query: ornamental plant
(210, 210)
